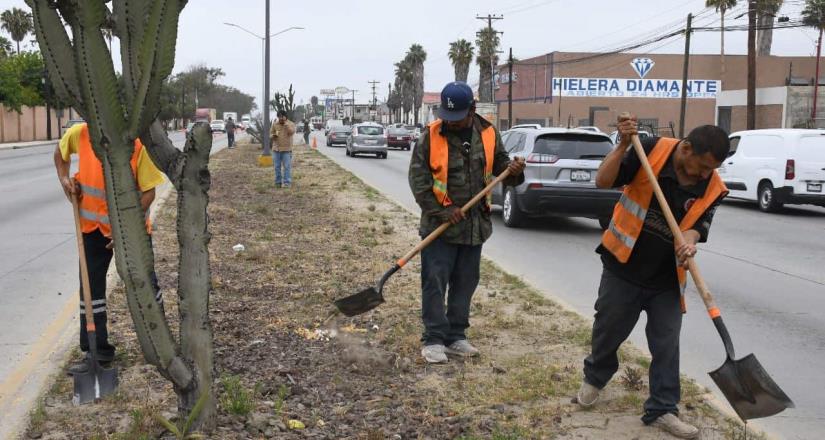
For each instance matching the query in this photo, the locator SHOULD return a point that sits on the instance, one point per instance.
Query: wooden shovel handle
(84, 269)
(438, 231)
(704, 292)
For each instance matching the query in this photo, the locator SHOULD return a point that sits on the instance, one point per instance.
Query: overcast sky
(350, 45)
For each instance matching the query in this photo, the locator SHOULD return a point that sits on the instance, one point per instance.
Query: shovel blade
(94, 384)
(749, 389)
(361, 302)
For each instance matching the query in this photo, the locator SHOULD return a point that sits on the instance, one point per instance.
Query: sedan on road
(560, 176)
(338, 135)
(369, 138)
(218, 125)
(398, 137)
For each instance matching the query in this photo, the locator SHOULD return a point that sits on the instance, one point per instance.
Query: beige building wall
(30, 124)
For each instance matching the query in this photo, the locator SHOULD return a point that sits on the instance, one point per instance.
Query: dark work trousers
(454, 266)
(617, 310)
(230, 138)
(97, 262)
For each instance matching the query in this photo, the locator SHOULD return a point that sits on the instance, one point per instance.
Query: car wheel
(383, 155)
(604, 222)
(347, 151)
(510, 212)
(767, 198)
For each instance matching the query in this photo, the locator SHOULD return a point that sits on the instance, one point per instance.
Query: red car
(399, 138)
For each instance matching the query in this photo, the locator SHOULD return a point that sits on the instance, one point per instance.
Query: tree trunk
(765, 35)
(484, 83)
(18, 47)
(722, 49)
(194, 276)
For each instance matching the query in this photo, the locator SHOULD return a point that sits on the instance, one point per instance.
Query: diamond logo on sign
(642, 66)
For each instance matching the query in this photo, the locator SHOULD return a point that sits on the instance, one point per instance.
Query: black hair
(281, 113)
(709, 139)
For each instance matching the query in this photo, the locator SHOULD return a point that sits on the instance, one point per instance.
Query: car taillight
(542, 158)
(790, 170)
(534, 186)
(332, 136)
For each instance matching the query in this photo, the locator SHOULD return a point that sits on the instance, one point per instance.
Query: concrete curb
(22, 145)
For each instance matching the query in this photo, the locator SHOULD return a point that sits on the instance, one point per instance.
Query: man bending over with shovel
(88, 186)
(454, 160)
(642, 268)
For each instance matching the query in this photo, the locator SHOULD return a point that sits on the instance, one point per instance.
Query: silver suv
(560, 176)
(369, 138)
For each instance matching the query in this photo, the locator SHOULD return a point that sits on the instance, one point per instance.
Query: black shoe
(83, 365)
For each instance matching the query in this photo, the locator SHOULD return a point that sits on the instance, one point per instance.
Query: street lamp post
(265, 61)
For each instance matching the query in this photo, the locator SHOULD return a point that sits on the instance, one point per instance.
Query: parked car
(367, 138)
(218, 125)
(614, 136)
(776, 167)
(560, 176)
(338, 135)
(399, 138)
(536, 126)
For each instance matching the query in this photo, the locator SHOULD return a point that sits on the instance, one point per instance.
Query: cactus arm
(148, 49)
(129, 28)
(162, 152)
(57, 52)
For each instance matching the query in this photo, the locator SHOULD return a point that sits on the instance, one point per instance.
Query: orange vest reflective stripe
(629, 213)
(94, 213)
(439, 154)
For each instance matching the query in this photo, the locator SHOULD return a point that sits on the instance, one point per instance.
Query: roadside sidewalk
(20, 145)
(279, 363)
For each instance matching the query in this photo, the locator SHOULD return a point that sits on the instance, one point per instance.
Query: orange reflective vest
(94, 213)
(629, 213)
(439, 154)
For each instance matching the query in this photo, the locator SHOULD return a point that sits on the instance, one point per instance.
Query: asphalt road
(767, 272)
(38, 269)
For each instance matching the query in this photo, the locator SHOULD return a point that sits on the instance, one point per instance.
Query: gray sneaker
(434, 354)
(462, 348)
(587, 395)
(670, 423)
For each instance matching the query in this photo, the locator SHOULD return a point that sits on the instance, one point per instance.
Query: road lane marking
(40, 351)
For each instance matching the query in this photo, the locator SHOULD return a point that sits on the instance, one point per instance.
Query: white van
(775, 167)
(332, 123)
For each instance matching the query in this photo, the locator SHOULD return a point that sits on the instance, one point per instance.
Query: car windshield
(397, 131)
(217, 122)
(340, 130)
(370, 130)
(573, 146)
(410, 127)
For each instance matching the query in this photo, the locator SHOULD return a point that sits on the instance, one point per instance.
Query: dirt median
(282, 372)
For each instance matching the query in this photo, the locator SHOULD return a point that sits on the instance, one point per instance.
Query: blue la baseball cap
(456, 100)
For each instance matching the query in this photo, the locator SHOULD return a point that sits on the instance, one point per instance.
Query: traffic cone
(314, 144)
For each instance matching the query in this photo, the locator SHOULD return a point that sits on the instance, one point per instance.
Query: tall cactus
(83, 74)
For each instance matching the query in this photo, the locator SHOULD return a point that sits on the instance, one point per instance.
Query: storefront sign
(634, 88)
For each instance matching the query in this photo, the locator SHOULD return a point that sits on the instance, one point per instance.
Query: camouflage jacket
(465, 178)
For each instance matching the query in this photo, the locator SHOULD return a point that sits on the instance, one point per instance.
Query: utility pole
(490, 18)
(373, 83)
(816, 78)
(389, 96)
(510, 90)
(265, 135)
(352, 114)
(751, 64)
(685, 66)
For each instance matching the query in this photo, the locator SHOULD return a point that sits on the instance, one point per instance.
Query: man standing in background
(280, 136)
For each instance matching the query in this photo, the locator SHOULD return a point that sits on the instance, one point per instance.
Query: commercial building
(575, 89)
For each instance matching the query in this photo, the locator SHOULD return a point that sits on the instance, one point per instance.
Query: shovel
(372, 297)
(97, 381)
(744, 382)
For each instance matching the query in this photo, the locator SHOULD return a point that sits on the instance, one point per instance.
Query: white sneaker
(462, 348)
(670, 423)
(434, 354)
(587, 395)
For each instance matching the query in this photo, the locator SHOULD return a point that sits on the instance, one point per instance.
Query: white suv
(775, 167)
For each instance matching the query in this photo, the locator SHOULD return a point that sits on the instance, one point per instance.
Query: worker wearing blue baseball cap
(455, 158)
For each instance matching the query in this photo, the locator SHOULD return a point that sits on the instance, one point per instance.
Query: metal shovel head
(361, 302)
(749, 389)
(94, 384)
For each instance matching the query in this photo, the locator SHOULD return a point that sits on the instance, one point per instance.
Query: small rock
(689, 407)
(273, 422)
(34, 434)
(269, 403)
(281, 426)
(269, 433)
(492, 294)
(556, 377)
(498, 370)
(320, 423)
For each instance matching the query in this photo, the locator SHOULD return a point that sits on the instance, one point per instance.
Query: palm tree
(487, 42)
(416, 57)
(5, 47)
(18, 23)
(461, 55)
(721, 6)
(766, 10)
(404, 78)
(814, 15)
